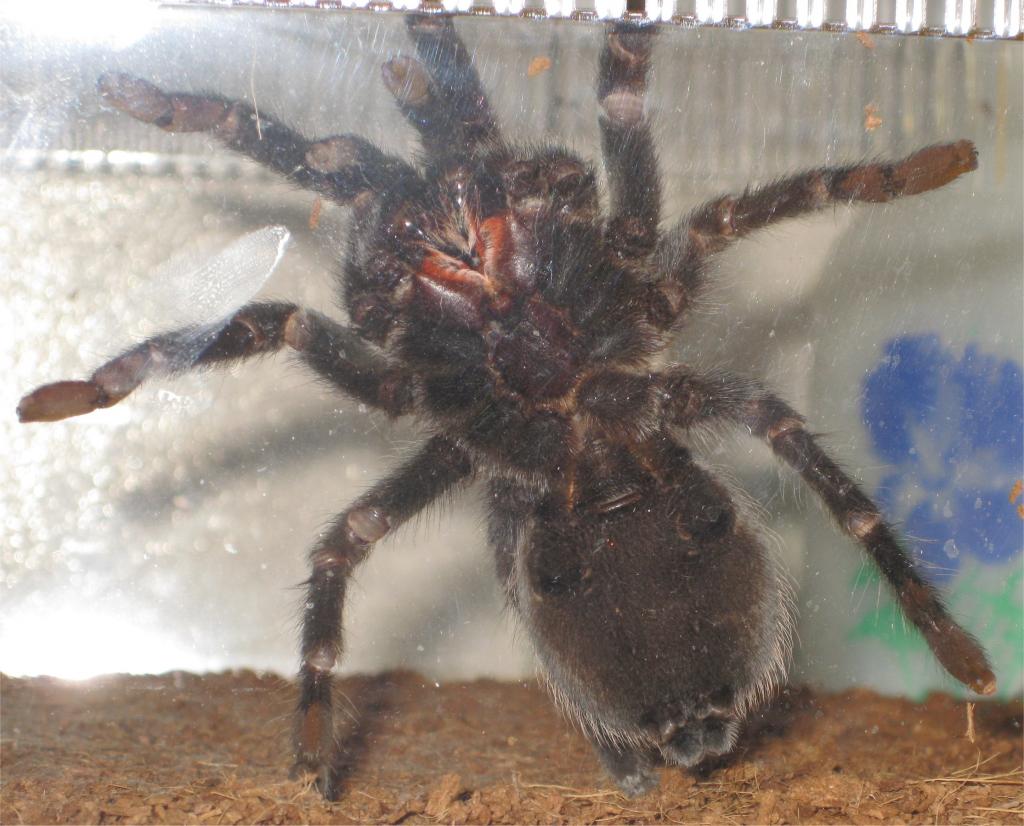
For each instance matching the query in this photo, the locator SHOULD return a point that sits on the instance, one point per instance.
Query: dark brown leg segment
(715, 223)
(629, 154)
(694, 399)
(334, 352)
(441, 96)
(428, 476)
(340, 167)
(634, 772)
(712, 227)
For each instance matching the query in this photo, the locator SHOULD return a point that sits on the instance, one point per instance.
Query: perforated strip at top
(971, 19)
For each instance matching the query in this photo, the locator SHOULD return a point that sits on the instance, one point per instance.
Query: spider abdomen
(649, 635)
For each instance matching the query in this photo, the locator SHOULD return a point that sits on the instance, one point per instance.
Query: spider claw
(61, 400)
(300, 770)
(936, 166)
(171, 112)
(633, 772)
(984, 684)
(308, 768)
(960, 654)
(431, 25)
(631, 45)
(136, 97)
(328, 784)
(624, 107)
(407, 80)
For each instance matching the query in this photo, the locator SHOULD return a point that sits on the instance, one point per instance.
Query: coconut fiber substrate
(181, 748)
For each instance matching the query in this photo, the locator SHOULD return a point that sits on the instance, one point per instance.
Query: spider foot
(633, 772)
(408, 81)
(623, 77)
(107, 386)
(171, 112)
(324, 777)
(936, 166)
(62, 400)
(923, 171)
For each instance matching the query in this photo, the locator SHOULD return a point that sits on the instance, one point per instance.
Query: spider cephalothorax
(492, 294)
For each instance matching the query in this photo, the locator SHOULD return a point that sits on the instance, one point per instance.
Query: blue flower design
(952, 432)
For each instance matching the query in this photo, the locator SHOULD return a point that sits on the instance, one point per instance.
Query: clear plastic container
(168, 532)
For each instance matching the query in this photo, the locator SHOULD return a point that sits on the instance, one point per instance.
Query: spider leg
(629, 154)
(693, 398)
(712, 227)
(429, 475)
(441, 96)
(633, 771)
(340, 167)
(336, 353)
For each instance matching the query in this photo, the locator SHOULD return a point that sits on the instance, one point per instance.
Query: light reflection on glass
(80, 640)
(118, 23)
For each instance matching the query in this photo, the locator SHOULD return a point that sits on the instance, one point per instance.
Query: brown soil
(181, 748)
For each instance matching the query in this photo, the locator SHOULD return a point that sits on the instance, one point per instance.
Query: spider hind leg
(634, 771)
(704, 398)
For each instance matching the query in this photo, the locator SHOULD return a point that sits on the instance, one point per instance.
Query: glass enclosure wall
(170, 531)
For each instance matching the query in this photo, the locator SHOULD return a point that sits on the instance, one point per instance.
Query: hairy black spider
(491, 295)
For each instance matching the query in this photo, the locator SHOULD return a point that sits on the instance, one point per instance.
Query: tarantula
(493, 295)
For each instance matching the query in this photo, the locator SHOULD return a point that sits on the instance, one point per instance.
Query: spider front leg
(626, 140)
(431, 474)
(334, 352)
(340, 167)
(694, 399)
(715, 225)
(442, 96)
